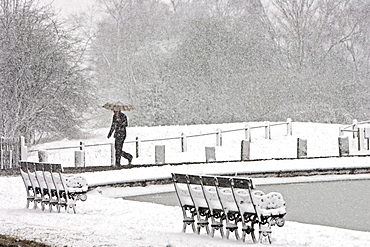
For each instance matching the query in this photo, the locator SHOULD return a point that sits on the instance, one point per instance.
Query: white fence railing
(182, 140)
(14, 149)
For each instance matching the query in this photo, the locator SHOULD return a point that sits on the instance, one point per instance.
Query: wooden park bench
(47, 185)
(228, 202)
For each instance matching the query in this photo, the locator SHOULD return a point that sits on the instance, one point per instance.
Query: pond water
(344, 204)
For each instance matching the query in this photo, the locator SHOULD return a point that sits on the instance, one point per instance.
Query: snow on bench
(229, 202)
(47, 185)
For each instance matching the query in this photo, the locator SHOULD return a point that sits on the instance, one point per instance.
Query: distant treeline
(183, 62)
(225, 61)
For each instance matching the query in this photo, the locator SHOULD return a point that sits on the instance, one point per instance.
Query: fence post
(343, 143)
(113, 154)
(245, 152)
(289, 130)
(210, 154)
(2, 152)
(367, 137)
(80, 156)
(248, 133)
(301, 148)
(23, 149)
(184, 144)
(354, 127)
(43, 156)
(218, 137)
(361, 138)
(160, 154)
(138, 147)
(267, 130)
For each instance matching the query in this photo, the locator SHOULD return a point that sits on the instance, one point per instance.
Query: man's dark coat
(119, 124)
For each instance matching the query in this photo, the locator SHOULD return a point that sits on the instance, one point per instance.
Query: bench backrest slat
(209, 181)
(23, 166)
(196, 191)
(225, 194)
(39, 167)
(210, 193)
(242, 193)
(223, 182)
(182, 190)
(56, 167)
(49, 180)
(242, 183)
(26, 179)
(179, 178)
(32, 175)
(58, 182)
(193, 179)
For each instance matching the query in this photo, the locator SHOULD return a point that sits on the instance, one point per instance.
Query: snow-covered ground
(107, 220)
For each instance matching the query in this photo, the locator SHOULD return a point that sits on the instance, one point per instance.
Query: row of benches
(228, 200)
(47, 185)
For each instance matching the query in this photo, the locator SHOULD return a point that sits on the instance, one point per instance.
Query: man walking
(119, 125)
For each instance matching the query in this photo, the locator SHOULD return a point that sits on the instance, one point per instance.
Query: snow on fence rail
(91, 153)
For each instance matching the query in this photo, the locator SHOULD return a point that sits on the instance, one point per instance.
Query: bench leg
(234, 230)
(35, 204)
(215, 227)
(187, 222)
(201, 225)
(61, 205)
(73, 206)
(232, 219)
(217, 218)
(265, 232)
(253, 235)
(71, 201)
(29, 200)
(202, 221)
(249, 230)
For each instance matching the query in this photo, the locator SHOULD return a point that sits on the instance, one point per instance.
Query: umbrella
(118, 106)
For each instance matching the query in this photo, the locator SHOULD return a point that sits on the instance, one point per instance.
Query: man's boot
(118, 161)
(129, 158)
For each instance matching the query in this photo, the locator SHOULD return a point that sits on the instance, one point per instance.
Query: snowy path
(159, 172)
(104, 220)
(107, 221)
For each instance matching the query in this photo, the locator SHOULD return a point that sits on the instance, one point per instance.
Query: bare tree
(320, 46)
(42, 82)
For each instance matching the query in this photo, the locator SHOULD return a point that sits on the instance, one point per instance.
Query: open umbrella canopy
(118, 106)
